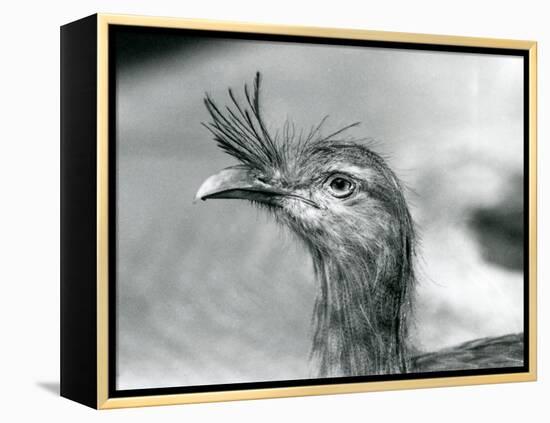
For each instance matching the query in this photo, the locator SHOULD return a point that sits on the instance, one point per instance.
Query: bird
(347, 208)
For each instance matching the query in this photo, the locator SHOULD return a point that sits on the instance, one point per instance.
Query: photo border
(109, 397)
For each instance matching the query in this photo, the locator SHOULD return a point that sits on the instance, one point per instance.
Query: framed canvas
(387, 237)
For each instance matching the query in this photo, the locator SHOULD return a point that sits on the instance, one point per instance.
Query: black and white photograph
(298, 210)
(326, 212)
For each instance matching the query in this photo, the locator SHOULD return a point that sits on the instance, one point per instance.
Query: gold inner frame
(103, 22)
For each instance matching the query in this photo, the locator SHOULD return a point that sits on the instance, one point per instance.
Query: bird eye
(340, 186)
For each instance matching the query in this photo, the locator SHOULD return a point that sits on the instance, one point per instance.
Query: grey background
(215, 292)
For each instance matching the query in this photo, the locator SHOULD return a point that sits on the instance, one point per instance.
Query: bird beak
(241, 183)
(237, 183)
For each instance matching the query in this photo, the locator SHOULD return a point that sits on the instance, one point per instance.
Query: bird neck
(360, 315)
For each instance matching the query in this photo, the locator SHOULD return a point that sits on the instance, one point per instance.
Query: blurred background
(215, 292)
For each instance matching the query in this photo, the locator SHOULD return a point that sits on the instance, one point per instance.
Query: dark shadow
(51, 387)
(499, 229)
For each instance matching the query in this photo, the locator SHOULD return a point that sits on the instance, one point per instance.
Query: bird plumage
(348, 208)
(484, 353)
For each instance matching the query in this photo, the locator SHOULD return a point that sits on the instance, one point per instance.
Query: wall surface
(30, 187)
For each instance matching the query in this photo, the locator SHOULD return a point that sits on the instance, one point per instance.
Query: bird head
(348, 207)
(334, 192)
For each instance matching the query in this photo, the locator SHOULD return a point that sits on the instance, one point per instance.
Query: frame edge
(313, 31)
(78, 362)
(533, 72)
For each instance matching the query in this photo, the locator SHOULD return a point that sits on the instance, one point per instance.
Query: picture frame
(96, 352)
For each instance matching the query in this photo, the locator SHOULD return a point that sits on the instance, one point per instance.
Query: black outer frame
(79, 211)
(79, 114)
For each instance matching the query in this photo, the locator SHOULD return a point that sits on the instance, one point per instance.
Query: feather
(484, 353)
